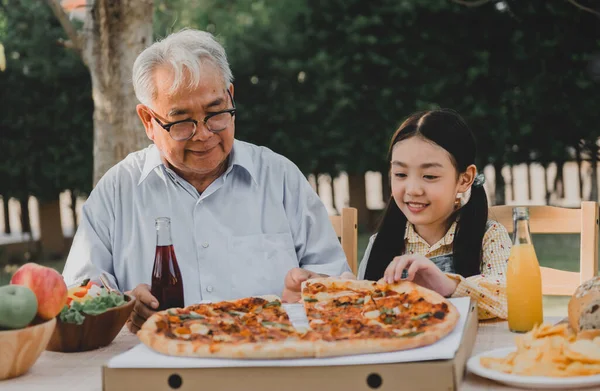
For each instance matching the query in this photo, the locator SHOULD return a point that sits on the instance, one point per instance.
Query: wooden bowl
(19, 349)
(95, 332)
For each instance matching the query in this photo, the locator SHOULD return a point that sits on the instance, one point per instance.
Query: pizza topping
(198, 328)
(317, 287)
(421, 316)
(222, 338)
(275, 324)
(236, 313)
(274, 303)
(390, 311)
(310, 300)
(182, 330)
(258, 310)
(403, 331)
(372, 314)
(439, 314)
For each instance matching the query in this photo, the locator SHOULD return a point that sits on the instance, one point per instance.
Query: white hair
(186, 50)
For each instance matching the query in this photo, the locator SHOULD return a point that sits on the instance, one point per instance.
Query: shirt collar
(239, 156)
(152, 161)
(412, 236)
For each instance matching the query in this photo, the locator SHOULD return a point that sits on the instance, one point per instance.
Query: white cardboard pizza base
(141, 356)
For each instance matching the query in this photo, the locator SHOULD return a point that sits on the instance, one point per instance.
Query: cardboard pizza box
(151, 371)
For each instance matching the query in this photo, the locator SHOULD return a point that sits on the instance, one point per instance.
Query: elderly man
(244, 219)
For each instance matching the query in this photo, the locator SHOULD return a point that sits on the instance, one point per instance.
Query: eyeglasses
(185, 129)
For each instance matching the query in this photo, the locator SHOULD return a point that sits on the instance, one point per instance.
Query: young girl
(436, 223)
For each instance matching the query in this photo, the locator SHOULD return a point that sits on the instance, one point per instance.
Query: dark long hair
(447, 129)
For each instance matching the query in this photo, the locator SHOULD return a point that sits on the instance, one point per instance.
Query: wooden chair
(550, 219)
(346, 228)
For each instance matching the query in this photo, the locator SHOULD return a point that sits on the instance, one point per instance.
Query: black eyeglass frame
(167, 126)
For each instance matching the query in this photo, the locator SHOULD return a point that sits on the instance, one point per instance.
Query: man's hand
(145, 306)
(293, 283)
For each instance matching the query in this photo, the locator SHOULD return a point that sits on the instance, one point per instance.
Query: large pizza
(345, 317)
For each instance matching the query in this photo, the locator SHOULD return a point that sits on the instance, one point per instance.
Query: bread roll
(584, 307)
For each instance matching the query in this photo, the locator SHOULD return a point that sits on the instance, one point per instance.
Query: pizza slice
(354, 317)
(254, 327)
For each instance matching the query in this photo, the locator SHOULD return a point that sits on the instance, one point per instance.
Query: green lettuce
(95, 306)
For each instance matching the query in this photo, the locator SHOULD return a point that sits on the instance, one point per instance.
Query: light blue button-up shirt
(238, 238)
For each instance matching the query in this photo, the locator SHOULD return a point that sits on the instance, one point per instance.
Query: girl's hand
(421, 271)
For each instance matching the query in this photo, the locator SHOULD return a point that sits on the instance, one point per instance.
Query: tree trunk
(119, 31)
(335, 210)
(74, 209)
(559, 182)
(7, 230)
(579, 175)
(386, 188)
(547, 191)
(512, 183)
(25, 223)
(500, 186)
(51, 235)
(594, 161)
(316, 176)
(113, 34)
(358, 198)
(529, 191)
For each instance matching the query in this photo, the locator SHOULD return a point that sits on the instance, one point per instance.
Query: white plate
(545, 382)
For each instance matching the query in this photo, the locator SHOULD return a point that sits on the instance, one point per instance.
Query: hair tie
(479, 180)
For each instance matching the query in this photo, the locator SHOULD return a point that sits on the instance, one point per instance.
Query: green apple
(18, 306)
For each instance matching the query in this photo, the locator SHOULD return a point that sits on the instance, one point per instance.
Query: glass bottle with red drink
(167, 285)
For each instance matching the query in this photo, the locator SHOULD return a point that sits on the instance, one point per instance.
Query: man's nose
(202, 133)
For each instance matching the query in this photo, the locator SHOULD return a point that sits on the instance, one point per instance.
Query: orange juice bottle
(523, 278)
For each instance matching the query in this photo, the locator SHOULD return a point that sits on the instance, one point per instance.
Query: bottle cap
(521, 213)
(162, 221)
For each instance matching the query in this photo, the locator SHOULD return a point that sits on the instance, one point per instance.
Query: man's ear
(465, 179)
(146, 118)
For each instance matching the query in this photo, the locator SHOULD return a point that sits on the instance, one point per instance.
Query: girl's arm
(489, 287)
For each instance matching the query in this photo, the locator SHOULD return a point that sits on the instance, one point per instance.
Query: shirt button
(205, 244)
(209, 288)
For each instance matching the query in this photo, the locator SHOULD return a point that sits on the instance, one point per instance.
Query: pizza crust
(373, 345)
(290, 348)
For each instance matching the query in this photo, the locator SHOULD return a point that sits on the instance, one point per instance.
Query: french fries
(549, 350)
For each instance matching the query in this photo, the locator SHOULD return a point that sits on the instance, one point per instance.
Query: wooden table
(81, 371)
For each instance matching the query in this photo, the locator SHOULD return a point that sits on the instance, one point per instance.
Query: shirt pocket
(260, 262)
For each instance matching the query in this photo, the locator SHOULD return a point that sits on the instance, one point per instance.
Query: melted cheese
(372, 314)
(198, 328)
(222, 338)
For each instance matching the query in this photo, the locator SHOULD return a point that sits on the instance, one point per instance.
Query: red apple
(47, 284)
